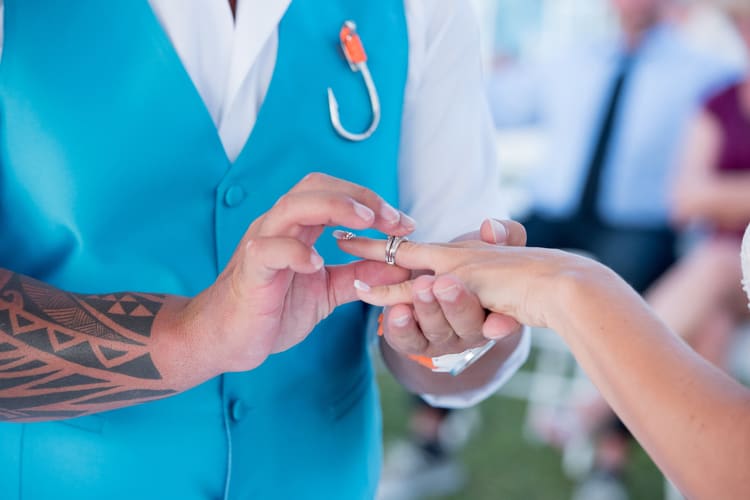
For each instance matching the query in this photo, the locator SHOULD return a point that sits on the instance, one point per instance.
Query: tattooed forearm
(64, 355)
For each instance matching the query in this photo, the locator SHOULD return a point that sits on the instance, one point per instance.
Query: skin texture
(692, 418)
(65, 354)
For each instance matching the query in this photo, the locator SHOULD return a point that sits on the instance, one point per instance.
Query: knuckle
(255, 248)
(404, 289)
(408, 249)
(407, 341)
(315, 178)
(334, 203)
(439, 336)
(283, 204)
(362, 193)
(394, 292)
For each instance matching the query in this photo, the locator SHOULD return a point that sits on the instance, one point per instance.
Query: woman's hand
(527, 284)
(446, 320)
(276, 288)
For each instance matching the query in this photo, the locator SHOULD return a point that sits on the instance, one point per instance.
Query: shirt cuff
(507, 370)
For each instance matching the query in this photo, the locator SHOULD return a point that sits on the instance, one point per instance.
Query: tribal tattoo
(64, 355)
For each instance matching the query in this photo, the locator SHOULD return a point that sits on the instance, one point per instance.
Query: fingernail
(343, 235)
(408, 222)
(316, 259)
(400, 321)
(494, 335)
(426, 296)
(449, 294)
(362, 286)
(364, 213)
(390, 214)
(501, 234)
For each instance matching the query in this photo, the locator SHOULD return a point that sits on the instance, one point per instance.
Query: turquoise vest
(113, 178)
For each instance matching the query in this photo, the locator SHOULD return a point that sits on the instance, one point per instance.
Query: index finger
(388, 218)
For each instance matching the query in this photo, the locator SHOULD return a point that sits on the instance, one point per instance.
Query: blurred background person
(712, 194)
(608, 87)
(708, 29)
(614, 114)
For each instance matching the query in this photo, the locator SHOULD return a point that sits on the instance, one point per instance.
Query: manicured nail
(408, 222)
(501, 234)
(316, 259)
(390, 214)
(426, 296)
(362, 286)
(449, 294)
(364, 213)
(343, 235)
(400, 321)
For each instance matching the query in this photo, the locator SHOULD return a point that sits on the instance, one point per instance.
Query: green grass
(502, 464)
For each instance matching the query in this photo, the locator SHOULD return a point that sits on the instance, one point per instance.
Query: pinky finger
(387, 295)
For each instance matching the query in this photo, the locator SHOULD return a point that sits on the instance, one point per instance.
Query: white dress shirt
(448, 180)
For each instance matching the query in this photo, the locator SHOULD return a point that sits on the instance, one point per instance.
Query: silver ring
(391, 247)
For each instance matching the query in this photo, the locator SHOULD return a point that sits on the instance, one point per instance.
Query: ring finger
(430, 317)
(462, 309)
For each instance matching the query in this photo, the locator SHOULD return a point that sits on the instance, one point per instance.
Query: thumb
(503, 232)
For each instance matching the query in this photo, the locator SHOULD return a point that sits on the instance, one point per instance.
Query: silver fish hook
(355, 54)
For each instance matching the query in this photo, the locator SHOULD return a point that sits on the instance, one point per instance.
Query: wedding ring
(391, 247)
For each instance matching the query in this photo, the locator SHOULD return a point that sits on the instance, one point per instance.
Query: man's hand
(276, 288)
(126, 348)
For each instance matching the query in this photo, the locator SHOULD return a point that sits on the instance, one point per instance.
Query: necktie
(590, 196)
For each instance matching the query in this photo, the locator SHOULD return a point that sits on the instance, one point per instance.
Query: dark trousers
(638, 255)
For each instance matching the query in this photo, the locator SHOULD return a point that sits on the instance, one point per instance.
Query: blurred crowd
(643, 108)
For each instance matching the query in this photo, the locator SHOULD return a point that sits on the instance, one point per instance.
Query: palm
(302, 301)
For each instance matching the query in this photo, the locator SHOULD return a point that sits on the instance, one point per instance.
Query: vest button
(234, 196)
(237, 410)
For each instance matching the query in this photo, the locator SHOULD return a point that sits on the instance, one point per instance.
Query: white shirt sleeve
(449, 179)
(448, 176)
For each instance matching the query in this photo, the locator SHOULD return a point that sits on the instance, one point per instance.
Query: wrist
(578, 290)
(183, 344)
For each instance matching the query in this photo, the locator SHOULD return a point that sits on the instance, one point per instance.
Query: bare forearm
(421, 380)
(692, 418)
(64, 355)
(720, 199)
